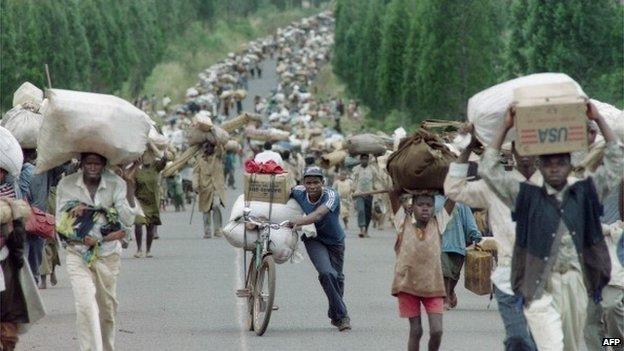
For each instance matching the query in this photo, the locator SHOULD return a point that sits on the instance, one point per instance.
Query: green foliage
(392, 55)
(459, 46)
(425, 59)
(109, 46)
(199, 46)
(582, 39)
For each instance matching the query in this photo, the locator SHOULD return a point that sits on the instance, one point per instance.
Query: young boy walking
(418, 276)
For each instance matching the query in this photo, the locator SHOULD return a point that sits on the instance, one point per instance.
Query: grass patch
(203, 44)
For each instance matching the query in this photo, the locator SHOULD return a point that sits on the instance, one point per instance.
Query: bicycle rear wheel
(264, 295)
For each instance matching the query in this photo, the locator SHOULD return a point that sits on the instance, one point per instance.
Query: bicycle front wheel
(264, 295)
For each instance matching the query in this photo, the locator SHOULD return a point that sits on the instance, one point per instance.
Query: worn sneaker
(207, 236)
(344, 324)
(139, 254)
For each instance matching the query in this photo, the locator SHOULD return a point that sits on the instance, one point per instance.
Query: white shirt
(478, 194)
(613, 232)
(267, 155)
(110, 193)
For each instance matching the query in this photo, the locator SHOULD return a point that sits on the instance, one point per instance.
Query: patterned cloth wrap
(77, 228)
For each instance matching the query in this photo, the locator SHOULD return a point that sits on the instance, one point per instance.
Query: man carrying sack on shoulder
(209, 184)
(94, 209)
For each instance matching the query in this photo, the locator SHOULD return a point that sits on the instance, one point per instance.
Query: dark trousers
(364, 207)
(33, 250)
(328, 261)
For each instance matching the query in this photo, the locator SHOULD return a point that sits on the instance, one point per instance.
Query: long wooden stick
(375, 192)
(47, 70)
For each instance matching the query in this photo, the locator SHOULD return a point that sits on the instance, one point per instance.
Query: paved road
(183, 298)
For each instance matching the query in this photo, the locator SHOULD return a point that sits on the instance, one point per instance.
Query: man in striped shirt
(321, 205)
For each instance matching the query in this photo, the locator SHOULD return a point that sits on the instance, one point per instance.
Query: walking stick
(192, 209)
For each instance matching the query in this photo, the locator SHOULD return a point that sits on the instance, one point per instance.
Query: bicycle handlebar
(262, 223)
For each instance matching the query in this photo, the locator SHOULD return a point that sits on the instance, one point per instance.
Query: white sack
(613, 116)
(76, 122)
(280, 212)
(27, 92)
(11, 157)
(487, 109)
(24, 125)
(284, 241)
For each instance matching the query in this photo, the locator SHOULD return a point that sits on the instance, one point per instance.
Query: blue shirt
(460, 230)
(328, 229)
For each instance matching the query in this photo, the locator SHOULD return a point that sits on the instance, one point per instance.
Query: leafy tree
(583, 39)
(458, 53)
(392, 54)
(370, 53)
(516, 61)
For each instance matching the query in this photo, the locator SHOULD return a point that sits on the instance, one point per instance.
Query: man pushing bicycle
(321, 205)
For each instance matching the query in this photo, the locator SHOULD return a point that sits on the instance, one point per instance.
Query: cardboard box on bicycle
(550, 118)
(257, 187)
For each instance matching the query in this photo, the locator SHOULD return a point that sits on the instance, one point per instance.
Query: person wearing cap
(321, 205)
(560, 257)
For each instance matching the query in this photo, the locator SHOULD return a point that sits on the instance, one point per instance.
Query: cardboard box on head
(550, 119)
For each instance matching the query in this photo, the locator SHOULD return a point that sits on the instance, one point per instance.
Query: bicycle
(260, 277)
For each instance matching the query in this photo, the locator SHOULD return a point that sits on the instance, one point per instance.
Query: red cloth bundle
(269, 167)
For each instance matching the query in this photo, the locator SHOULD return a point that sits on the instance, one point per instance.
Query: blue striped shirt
(328, 229)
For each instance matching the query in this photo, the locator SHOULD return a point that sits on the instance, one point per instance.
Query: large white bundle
(279, 213)
(11, 157)
(24, 125)
(76, 122)
(284, 241)
(27, 92)
(613, 116)
(487, 109)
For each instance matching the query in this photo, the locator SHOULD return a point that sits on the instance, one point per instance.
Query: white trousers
(95, 291)
(557, 319)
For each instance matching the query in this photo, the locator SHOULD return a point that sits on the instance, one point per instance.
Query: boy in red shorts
(418, 271)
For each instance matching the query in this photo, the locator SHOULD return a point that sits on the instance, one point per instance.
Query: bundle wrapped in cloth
(272, 134)
(240, 121)
(284, 241)
(24, 120)
(487, 109)
(76, 122)
(368, 144)
(11, 157)
(333, 158)
(421, 162)
(24, 124)
(216, 136)
(28, 93)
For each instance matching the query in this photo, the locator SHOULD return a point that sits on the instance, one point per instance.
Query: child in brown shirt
(418, 271)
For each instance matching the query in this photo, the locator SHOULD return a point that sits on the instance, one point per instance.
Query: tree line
(98, 45)
(424, 59)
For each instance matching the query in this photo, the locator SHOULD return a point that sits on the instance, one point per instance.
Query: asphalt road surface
(184, 297)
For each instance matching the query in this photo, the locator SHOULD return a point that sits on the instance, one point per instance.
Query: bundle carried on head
(368, 144)
(420, 163)
(75, 122)
(24, 120)
(11, 157)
